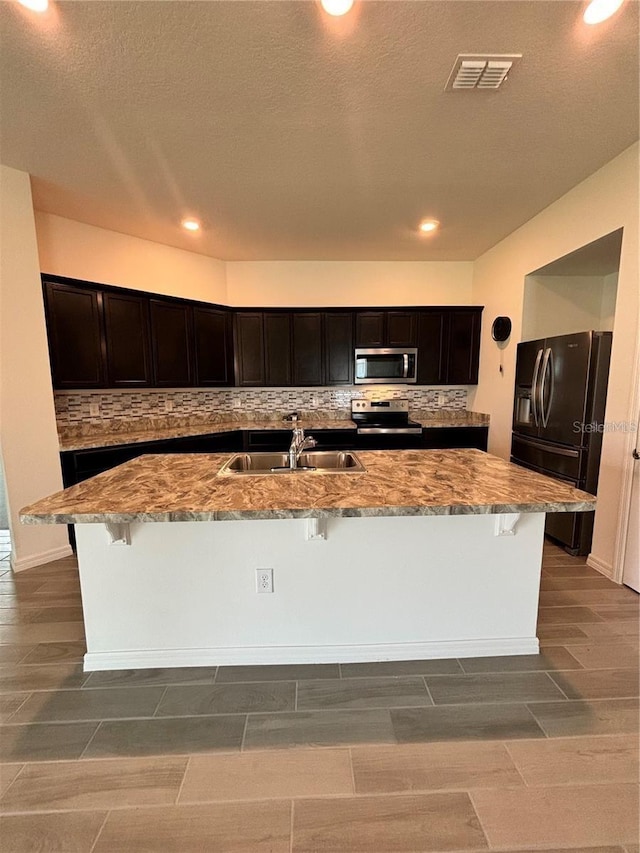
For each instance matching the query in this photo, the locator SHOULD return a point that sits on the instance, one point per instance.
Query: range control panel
(380, 406)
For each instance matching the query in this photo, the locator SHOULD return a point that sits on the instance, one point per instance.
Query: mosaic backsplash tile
(74, 407)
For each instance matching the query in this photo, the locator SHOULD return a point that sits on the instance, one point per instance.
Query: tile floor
(513, 753)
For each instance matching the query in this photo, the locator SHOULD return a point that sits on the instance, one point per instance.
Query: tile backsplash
(75, 407)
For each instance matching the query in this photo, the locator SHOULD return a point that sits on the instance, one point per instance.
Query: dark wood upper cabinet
(249, 348)
(76, 341)
(171, 343)
(402, 328)
(277, 348)
(431, 347)
(213, 343)
(101, 336)
(370, 328)
(463, 357)
(338, 348)
(126, 323)
(307, 348)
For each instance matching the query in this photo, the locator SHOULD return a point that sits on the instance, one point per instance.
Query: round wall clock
(501, 329)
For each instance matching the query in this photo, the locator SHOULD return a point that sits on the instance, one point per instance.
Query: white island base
(377, 588)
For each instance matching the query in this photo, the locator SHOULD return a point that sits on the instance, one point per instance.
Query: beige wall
(95, 254)
(28, 436)
(343, 283)
(605, 201)
(563, 304)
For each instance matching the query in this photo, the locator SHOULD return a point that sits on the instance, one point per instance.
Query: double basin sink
(318, 462)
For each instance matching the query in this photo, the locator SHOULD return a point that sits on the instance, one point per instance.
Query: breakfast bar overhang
(424, 554)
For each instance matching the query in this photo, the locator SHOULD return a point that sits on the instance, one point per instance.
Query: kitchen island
(425, 554)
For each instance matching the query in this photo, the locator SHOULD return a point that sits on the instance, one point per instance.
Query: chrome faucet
(298, 444)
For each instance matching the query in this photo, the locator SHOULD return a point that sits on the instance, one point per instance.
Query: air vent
(479, 71)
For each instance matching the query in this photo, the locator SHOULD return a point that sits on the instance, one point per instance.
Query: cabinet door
(464, 347)
(76, 341)
(307, 349)
(338, 348)
(277, 349)
(213, 337)
(171, 339)
(370, 329)
(402, 328)
(249, 348)
(431, 348)
(126, 320)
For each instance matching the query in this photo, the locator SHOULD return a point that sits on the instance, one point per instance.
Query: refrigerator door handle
(534, 387)
(547, 366)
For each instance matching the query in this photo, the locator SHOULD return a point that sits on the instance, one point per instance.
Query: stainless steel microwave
(386, 366)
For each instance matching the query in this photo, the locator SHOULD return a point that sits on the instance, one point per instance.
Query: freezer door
(526, 409)
(563, 388)
(554, 460)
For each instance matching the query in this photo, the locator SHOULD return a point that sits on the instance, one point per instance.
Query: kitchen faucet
(298, 444)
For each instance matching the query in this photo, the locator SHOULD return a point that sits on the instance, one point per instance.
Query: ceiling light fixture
(599, 10)
(428, 226)
(35, 5)
(336, 7)
(191, 224)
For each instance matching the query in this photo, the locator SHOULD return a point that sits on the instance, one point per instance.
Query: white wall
(344, 283)
(605, 201)
(28, 436)
(563, 304)
(96, 254)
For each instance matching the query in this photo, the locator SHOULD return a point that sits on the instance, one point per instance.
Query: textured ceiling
(293, 135)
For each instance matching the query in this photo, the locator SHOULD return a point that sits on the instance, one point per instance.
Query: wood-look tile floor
(514, 753)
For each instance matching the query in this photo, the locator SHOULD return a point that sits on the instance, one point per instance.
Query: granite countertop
(186, 487)
(126, 432)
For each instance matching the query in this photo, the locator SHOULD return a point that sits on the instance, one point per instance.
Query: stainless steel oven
(386, 366)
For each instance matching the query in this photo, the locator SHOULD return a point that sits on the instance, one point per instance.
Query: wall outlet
(264, 580)
(94, 410)
(168, 406)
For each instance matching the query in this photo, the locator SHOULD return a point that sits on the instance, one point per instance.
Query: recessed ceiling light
(191, 224)
(428, 226)
(35, 5)
(599, 10)
(336, 7)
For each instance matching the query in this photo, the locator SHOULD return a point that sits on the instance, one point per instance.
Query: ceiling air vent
(479, 71)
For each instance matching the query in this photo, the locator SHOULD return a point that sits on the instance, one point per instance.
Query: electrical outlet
(168, 406)
(94, 410)
(264, 580)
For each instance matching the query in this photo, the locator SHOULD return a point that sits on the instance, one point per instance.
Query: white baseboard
(153, 658)
(600, 565)
(41, 558)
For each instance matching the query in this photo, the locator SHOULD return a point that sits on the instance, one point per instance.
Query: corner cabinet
(213, 343)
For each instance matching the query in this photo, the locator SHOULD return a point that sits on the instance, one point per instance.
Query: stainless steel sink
(318, 462)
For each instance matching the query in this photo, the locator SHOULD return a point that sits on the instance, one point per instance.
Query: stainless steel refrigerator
(558, 420)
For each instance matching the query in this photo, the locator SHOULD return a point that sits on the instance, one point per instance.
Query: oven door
(385, 366)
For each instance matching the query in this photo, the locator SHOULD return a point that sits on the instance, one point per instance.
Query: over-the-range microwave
(386, 365)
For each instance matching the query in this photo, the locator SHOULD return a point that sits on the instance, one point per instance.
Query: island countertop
(186, 487)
